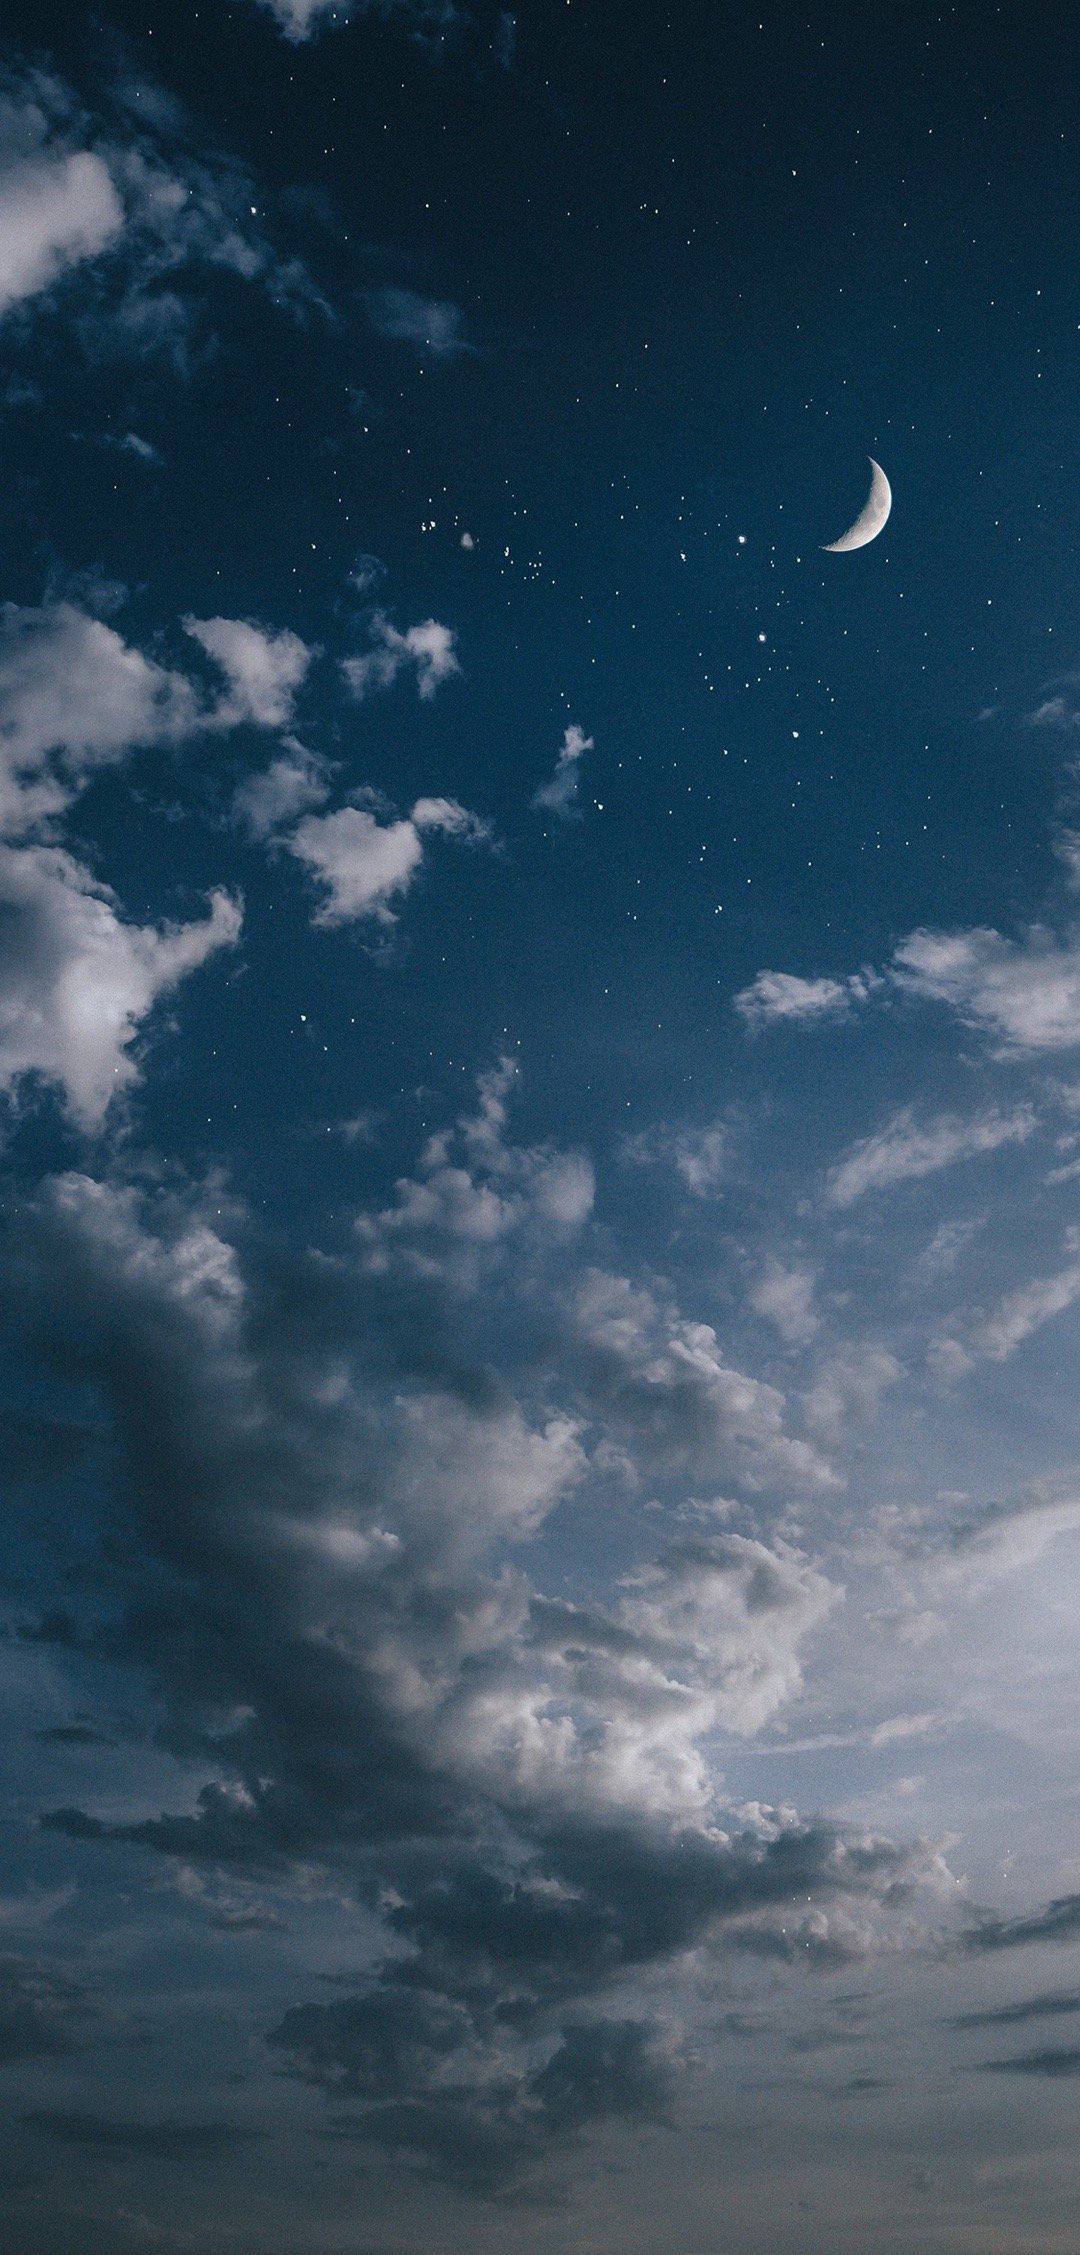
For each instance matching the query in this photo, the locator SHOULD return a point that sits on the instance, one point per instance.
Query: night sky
(539, 1130)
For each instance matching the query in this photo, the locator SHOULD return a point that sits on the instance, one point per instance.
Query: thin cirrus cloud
(429, 20)
(434, 327)
(904, 1151)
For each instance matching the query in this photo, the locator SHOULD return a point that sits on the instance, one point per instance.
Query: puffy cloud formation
(122, 204)
(1024, 992)
(426, 650)
(267, 802)
(322, 1498)
(559, 794)
(263, 670)
(902, 1151)
(363, 864)
(77, 981)
(54, 213)
(74, 697)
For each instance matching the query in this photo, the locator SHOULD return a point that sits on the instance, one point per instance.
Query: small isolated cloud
(77, 982)
(427, 650)
(263, 669)
(901, 1151)
(559, 794)
(779, 997)
(364, 864)
(431, 325)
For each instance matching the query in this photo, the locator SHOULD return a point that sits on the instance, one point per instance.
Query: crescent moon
(870, 520)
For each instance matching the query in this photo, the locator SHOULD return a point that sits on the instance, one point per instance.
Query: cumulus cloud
(1024, 992)
(426, 650)
(474, 1188)
(784, 1295)
(364, 865)
(77, 981)
(263, 670)
(430, 325)
(317, 1516)
(54, 213)
(74, 696)
(902, 1151)
(108, 213)
(267, 802)
(559, 794)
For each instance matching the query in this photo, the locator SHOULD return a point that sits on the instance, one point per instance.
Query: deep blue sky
(541, 1339)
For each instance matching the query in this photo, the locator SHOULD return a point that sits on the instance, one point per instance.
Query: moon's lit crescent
(870, 520)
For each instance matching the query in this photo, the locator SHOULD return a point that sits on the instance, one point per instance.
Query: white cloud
(427, 649)
(903, 1152)
(266, 803)
(473, 1188)
(776, 997)
(559, 795)
(1025, 992)
(996, 1336)
(74, 696)
(264, 669)
(363, 864)
(76, 982)
(54, 213)
(784, 1295)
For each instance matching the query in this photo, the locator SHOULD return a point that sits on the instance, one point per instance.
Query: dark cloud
(1052, 2065)
(42, 2015)
(151, 2141)
(1014, 2015)
(1059, 1921)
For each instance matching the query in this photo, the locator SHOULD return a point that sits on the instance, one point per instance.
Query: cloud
(784, 1295)
(317, 1509)
(474, 1189)
(54, 213)
(701, 1157)
(559, 795)
(901, 1151)
(1054, 2064)
(430, 21)
(426, 650)
(263, 670)
(995, 1336)
(42, 2016)
(778, 997)
(1051, 2007)
(74, 697)
(430, 325)
(364, 865)
(1058, 1921)
(1026, 993)
(104, 215)
(77, 982)
(268, 802)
